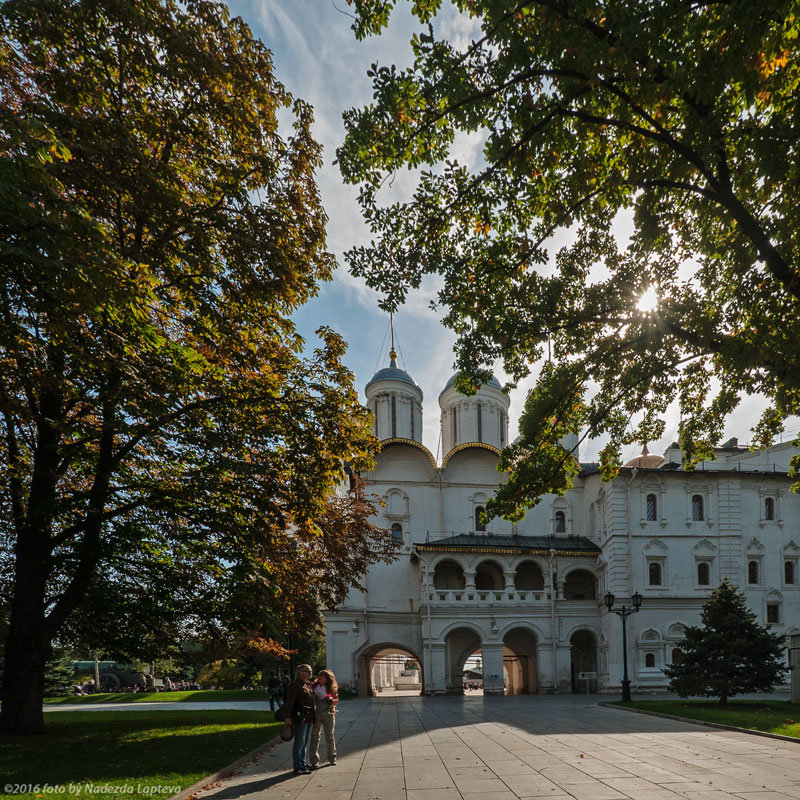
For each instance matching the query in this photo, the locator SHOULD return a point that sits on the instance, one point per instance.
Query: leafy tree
(59, 675)
(680, 118)
(165, 445)
(730, 653)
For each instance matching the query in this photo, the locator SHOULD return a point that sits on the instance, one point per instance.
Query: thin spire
(392, 352)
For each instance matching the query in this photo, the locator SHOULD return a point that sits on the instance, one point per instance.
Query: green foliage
(730, 653)
(170, 461)
(683, 121)
(59, 675)
(778, 716)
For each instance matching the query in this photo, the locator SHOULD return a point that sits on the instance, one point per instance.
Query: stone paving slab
(522, 748)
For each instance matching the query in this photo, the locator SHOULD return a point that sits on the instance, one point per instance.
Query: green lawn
(204, 696)
(773, 716)
(142, 753)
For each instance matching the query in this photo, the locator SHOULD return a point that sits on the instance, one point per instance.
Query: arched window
(455, 427)
(480, 525)
(703, 574)
(560, 519)
(480, 423)
(650, 660)
(394, 416)
(677, 655)
(412, 420)
(502, 418)
(769, 508)
(448, 575)
(397, 531)
(789, 576)
(698, 508)
(654, 573)
(652, 508)
(752, 571)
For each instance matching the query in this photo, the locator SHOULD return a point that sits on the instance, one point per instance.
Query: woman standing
(326, 696)
(301, 714)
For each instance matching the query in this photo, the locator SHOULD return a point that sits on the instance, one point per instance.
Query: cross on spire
(392, 352)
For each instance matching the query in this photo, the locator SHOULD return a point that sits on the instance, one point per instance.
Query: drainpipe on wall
(553, 628)
(634, 472)
(427, 658)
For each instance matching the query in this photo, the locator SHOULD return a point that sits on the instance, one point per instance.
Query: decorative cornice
(514, 551)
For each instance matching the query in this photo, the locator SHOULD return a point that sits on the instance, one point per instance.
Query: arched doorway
(460, 645)
(519, 661)
(389, 669)
(583, 657)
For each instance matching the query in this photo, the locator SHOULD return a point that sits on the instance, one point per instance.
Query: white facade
(529, 595)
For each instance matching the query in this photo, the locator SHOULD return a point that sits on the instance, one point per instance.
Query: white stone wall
(402, 610)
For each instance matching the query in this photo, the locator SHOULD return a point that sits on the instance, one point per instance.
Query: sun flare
(648, 301)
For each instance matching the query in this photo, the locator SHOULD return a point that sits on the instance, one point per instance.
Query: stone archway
(382, 668)
(460, 644)
(583, 658)
(519, 661)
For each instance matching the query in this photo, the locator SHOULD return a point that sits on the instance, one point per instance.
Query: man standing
(274, 691)
(301, 714)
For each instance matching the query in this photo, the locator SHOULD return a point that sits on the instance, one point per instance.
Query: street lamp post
(623, 613)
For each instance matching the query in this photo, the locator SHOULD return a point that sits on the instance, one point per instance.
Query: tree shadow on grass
(117, 745)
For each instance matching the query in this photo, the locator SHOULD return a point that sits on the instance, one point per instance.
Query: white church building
(528, 597)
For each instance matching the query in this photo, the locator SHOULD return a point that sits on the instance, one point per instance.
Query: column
(437, 681)
(492, 668)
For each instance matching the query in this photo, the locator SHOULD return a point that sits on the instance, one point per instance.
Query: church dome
(395, 400)
(392, 373)
(646, 460)
(491, 382)
(481, 418)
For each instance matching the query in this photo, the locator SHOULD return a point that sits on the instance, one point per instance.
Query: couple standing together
(309, 707)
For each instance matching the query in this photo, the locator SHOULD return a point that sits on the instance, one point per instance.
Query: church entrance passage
(583, 650)
(519, 661)
(462, 656)
(389, 669)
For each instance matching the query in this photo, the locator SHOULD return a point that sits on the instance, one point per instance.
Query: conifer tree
(730, 653)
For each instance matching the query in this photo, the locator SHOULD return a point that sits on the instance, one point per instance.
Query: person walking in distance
(274, 691)
(326, 698)
(300, 713)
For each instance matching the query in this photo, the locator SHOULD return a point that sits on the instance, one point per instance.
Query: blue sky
(319, 60)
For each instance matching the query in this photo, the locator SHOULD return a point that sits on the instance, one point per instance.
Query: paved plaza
(505, 748)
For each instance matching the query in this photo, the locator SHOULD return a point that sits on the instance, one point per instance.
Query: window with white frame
(560, 522)
(790, 572)
(703, 573)
(397, 531)
(769, 509)
(650, 660)
(480, 525)
(754, 571)
(773, 613)
(698, 508)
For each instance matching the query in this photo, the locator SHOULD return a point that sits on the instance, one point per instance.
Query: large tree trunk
(23, 679)
(27, 646)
